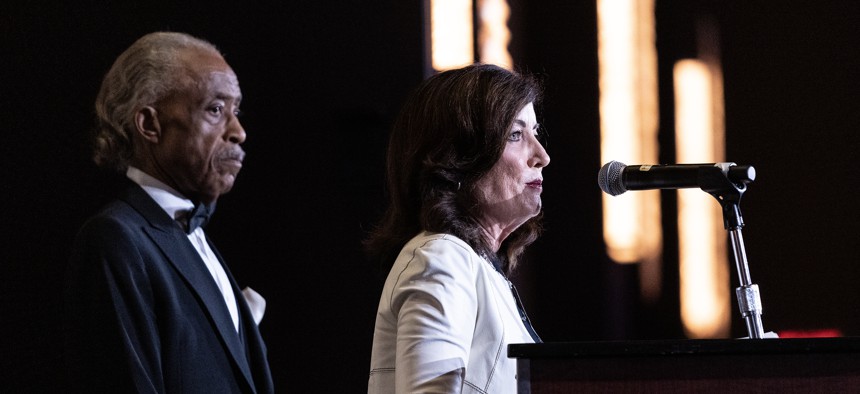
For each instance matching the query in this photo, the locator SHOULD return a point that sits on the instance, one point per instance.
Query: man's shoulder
(115, 217)
(117, 209)
(126, 202)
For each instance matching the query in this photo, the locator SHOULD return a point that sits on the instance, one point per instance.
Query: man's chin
(214, 191)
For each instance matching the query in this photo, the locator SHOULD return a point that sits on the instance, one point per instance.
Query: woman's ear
(146, 124)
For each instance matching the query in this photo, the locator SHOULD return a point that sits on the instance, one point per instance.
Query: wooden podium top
(684, 346)
(795, 365)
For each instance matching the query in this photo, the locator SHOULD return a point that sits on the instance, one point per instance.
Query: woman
(464, 177)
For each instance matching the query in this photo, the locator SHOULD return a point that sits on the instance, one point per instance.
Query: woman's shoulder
(440, 250)
(431, 240)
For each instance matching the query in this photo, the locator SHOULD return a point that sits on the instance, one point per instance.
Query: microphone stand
(715, 181)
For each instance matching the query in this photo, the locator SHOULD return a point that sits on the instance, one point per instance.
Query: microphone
(616, 178)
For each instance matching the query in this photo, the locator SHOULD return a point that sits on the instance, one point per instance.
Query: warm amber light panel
(493, 33)
(451, 31)
(702, 251)
(627, 62)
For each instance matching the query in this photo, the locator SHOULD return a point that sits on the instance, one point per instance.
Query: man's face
(198, 152)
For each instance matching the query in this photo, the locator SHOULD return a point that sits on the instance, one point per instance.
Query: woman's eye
(515, 136)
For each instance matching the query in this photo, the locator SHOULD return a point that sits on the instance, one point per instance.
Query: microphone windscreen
(609, 178)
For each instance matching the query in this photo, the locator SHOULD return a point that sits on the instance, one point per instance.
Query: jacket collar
(168, 235)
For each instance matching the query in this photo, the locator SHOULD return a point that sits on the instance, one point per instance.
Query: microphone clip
(727, 182)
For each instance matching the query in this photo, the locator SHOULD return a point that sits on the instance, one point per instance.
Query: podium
(796, 365)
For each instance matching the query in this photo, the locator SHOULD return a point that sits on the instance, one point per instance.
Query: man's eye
(238, 112)
(515, 136)
(216, 109)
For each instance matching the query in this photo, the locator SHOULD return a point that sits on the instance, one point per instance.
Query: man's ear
(146, 123)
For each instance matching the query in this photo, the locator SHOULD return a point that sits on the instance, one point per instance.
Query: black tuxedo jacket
(143, 314)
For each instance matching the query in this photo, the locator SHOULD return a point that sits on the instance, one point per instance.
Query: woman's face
(509, 194)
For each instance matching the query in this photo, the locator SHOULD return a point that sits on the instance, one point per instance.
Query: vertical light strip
(629, 119)
(451, 34)
(702, 241)
(493, 33)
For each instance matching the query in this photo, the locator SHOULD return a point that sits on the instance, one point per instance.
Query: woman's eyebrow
(522, 123)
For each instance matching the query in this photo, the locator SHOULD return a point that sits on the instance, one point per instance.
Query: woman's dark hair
(451, 130)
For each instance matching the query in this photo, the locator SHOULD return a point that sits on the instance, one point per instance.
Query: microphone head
(609, 178)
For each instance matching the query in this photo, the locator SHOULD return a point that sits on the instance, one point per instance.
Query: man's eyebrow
(237, 100)
(227, 96)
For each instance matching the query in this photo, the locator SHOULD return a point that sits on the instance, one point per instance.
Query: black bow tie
(198, 217)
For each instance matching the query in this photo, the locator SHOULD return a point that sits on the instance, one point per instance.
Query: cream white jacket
(444, 321)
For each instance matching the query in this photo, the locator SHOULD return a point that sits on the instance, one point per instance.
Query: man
(150, 305)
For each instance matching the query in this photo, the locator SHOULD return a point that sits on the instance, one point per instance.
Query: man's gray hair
(149, 70)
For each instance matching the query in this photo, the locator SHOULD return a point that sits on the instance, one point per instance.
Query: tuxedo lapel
(256, 349)
(174, 243)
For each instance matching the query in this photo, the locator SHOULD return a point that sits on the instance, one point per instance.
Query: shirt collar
(165, 196)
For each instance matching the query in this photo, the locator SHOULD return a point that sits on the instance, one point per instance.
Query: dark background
(322, 81)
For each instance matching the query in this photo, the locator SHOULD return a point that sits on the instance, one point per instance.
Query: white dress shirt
(177, 206)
